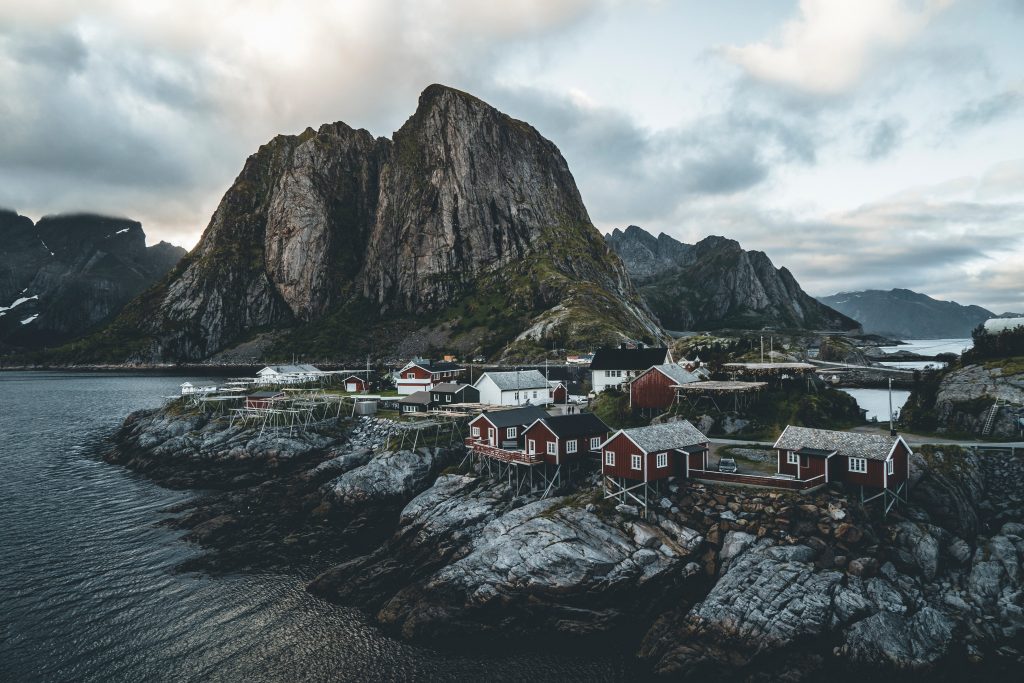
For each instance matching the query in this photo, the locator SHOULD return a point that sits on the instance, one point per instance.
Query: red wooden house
(558, 392)
(263, 399)
(654, 388)
(874, 461)
(504, 428)
(354, 384)
(634, 459)
(422, 375)
(566, 438)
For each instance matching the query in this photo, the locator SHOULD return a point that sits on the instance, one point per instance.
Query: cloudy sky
(867, 144)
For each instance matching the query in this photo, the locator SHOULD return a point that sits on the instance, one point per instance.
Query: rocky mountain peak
(467, 217)
(715, 283)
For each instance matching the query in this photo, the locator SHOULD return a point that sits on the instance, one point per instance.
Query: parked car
(727, 465)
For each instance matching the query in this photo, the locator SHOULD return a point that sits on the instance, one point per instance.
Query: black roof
(696, 448)
(628, 359)
(819, 452)
(579, 424)
(514, 417)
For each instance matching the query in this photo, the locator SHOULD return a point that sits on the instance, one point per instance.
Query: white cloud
(830, 47)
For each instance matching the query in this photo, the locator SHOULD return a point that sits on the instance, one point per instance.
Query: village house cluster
(535, 432)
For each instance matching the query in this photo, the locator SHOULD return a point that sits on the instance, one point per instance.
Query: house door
(351, 386)
(492, 437)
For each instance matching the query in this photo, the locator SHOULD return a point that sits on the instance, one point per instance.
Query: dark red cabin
(653, 389)
(878, 461)
(654, 452)
(566, 438)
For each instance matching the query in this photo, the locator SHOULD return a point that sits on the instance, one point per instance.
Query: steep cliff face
(64, 275)
(907, 314)
(469, 223)
(717, 284)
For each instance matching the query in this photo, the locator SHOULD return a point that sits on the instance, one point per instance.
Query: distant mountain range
(64, 275)
(906, 314)
(716, 284)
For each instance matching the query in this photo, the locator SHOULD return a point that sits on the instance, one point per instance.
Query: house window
(570, 446)
(510, 433)
(595, 443)
(609, 458)
(531, 446)
(636, 462)
(662, 459)
(448, 398)
(410, 375)
(476, 431)
(552, 447)
(517, 395)
(889, 466)
(437, 397)
(859, 465)
(792, 458)
(535, 394)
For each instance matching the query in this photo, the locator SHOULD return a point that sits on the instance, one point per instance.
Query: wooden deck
(502, 454)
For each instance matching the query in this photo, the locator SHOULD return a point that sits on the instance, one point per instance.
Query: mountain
(717, 284)
(62, 276)
(465, 232)
(909, 315)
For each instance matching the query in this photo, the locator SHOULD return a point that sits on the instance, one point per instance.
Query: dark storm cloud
(985, 111)
(627, 173)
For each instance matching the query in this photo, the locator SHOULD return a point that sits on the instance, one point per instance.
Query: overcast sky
(867, 144)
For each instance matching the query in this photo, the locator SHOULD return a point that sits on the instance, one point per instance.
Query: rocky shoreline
(718, 582)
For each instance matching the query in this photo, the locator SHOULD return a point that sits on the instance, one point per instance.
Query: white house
(614, 367)
(421, 375)
(514, 388)
(288, 374)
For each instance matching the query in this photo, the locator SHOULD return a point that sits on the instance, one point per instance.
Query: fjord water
(88, 590)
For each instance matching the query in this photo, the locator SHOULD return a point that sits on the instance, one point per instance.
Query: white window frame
(636, 462)
(662, 460)
(476, 432)
(510, 433)
(531, 446)
(890, 466)
(609, 458)
(858, 465)
(437, 397)
(792, 458)
(570, 446)
(535, 394)
(552, 448)
(595, 443)
(410, 375)
(448, 398)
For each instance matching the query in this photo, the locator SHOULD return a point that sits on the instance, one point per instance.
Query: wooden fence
(518, 457)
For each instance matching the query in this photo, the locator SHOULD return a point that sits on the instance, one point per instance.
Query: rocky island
(716, 581)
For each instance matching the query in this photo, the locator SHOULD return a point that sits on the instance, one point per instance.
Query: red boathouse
(655, 387)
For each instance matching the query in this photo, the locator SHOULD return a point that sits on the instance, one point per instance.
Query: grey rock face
(70, 273)
(715, 283)
(334, 218)
(888, 638)
(389, 476)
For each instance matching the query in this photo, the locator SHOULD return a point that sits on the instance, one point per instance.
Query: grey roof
(450, 387)
(846, 444)
(417, 397)
(677, 373)
(666, 436)
(515, 417)
(514, 380)
(293, 369)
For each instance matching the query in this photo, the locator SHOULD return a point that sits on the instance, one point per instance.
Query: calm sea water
(88, 591)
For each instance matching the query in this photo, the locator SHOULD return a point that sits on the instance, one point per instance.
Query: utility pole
(892, 429)
(762, 348)
(771, 349)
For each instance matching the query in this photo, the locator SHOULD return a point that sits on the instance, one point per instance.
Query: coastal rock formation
(344, 241)
(64, 275)
(904, 314)
(717, 284)
(964, 396)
